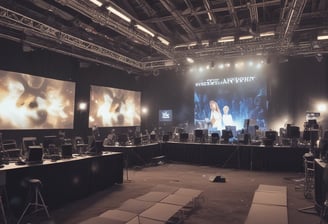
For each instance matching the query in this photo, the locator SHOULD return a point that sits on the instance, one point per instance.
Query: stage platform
(240, 156)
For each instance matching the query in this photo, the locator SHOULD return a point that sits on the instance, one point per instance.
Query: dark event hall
(164, 111)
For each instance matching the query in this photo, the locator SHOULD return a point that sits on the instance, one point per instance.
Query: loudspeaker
(165, 138)
(217, 179)
(67, 150)
(184, 137)
(137, 140)
(34, 154)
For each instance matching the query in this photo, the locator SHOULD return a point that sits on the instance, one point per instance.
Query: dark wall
(293, 87)
(296, 87)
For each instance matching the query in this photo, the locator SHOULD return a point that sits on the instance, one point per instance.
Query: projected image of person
(215, 116)
(226, 117)
(114, 107)
(35, 102)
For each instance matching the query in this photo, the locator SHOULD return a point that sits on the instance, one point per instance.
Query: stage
(240, 156)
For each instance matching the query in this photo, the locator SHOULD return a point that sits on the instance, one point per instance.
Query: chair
(36, 200)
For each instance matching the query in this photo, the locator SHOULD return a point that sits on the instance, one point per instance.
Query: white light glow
(267, 34)
(190, 60)
(226, 39)
(96, 2)
(322, 37)
(83, 106)
(221, 66)
(144, 110)
(245, 37)
(143, 29)
(119, 14)
(209, 16)
(322, 107)
(165, 42)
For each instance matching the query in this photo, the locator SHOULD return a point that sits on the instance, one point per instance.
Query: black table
(63, 180)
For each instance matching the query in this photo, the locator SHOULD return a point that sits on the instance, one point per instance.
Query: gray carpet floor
(223, 203)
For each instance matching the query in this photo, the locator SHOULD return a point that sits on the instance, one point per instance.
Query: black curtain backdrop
(293, 87)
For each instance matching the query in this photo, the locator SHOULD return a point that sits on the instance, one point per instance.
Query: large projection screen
(111, 107)
(237, 98)
(33, 102)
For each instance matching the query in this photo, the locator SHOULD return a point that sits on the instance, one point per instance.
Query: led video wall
(229, 100)
(111, 107)
(33, 102)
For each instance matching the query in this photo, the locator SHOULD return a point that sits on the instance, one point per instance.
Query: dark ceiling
(92, 32)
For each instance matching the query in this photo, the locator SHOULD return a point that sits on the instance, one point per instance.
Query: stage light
(322, 37)
(227, 65)
(258, 65)
(209, 16)
(119, 14)
(96, 2)
(205, 43)
(322, 107)
(143, 29)
(165, 42)
(83, 106)
(226, 39)
(250, 63)
(190, 60)
(144, 110)
(246, 37)
(200, 69)
(207, 67)
(267, 34)
(221, 66)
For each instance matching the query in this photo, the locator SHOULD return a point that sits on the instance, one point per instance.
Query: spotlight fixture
(96, 2)
(165, 42)
(246, 37)
(119, 14)
(82, 106)
(190, 60)
(226, 39)
(145, 30)
(322, 37)
(267, 34)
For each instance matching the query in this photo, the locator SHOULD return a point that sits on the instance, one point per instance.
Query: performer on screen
(226, 117)
(215, 116)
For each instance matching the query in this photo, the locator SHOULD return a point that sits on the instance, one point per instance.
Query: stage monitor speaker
(97, 148)
(67, 150)
(184, 137)
(268, 142)
(34, 154)
(215, 137)
(166, 138)
(137, 140)
(217, 179)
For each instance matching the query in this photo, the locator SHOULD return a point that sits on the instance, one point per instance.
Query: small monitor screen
(165, 115)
